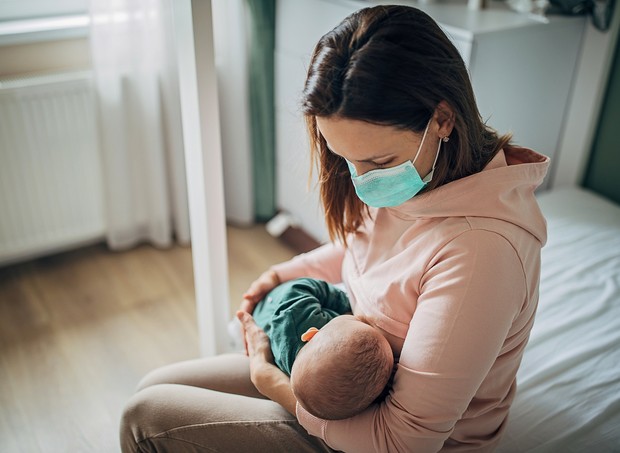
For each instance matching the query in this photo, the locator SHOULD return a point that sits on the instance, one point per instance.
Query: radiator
(50, 172)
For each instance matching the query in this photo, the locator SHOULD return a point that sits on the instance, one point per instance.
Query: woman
(436, 236)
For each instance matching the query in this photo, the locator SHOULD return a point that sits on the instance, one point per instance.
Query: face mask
(386, 187)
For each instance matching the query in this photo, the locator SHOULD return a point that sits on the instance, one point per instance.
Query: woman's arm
(258, 289)
(268, 379)
(324, 263)
(469, 297)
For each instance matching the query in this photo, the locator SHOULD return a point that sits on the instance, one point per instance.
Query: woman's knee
(152, 411)
(134, 420)
(153, 377)
(229, 373)
(175, 373)
(177, 418)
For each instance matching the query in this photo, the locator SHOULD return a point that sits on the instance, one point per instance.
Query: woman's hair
(390, 65)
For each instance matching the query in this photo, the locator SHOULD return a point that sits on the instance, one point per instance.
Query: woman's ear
(444, 115)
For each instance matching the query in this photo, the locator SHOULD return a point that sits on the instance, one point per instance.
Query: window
(28, 9)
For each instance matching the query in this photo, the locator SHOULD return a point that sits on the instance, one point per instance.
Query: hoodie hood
(503, 190)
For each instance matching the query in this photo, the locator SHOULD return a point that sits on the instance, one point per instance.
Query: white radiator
(50, 171)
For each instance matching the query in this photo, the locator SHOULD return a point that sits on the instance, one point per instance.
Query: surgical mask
(386, 187)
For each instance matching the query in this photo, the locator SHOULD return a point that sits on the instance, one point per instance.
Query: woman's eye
(382, 164)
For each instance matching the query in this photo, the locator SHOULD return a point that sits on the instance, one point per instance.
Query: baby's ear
(308, 334)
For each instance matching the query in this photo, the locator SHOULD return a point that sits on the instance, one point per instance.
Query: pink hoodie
(451, 277)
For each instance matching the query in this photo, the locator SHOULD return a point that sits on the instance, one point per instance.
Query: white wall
(231, 54)
(582, 116)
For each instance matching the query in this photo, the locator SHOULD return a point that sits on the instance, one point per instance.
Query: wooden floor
(78, 330)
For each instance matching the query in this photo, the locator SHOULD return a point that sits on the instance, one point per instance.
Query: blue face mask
(386, 187)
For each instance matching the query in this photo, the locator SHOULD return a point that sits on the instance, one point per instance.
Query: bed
(568, 397)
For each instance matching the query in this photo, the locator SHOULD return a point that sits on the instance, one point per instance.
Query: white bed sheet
(568, 394)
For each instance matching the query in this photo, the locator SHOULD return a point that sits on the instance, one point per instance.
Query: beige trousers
(209, 405)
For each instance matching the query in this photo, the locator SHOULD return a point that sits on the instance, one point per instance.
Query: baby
(338, 363)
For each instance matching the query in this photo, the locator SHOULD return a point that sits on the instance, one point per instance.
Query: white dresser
(521, 70)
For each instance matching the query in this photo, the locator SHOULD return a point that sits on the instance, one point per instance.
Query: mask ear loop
(430, 174)
(422, 142)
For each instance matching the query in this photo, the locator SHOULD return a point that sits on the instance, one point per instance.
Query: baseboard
(285, 227)
(299, 240)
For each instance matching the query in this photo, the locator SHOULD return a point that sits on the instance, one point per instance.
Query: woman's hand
(258, 289)
(268, 379)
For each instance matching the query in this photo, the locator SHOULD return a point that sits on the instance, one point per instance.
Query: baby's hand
(258, 289)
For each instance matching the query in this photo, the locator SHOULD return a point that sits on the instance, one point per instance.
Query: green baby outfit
(291, 308)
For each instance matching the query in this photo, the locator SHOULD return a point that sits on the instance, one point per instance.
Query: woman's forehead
(360, 140)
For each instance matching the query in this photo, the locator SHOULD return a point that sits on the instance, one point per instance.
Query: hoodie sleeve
(469, 295)
(324, 263)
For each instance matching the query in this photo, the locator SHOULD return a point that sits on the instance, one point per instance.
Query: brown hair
(390, 65)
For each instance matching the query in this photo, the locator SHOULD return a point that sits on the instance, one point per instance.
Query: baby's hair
(357, 375)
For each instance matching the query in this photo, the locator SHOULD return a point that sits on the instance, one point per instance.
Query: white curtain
(140, 122)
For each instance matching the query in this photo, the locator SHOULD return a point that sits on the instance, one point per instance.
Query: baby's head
(342, 370)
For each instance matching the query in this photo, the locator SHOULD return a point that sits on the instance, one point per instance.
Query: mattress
(568, 386)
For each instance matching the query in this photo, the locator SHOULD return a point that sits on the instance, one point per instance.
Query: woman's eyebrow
(368, 160)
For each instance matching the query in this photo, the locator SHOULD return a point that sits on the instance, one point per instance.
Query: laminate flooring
(78, 330)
